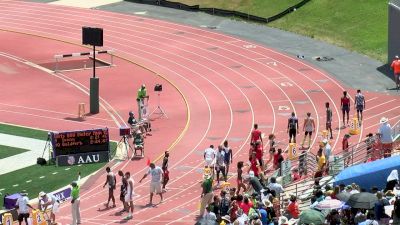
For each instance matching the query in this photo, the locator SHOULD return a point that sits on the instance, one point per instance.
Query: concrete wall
(393, 29)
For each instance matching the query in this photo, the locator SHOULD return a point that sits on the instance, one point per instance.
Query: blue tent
(367, 175)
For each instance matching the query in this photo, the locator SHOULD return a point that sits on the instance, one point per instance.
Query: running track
(227, 83)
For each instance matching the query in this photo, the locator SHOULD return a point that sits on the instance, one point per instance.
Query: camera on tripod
(158, 87)
(124, 131)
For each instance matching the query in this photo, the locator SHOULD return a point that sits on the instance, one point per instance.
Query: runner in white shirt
(156, 178)
(22, 206)
(209, 156)
(129, 195)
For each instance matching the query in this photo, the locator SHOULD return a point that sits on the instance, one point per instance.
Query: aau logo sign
(89, 159)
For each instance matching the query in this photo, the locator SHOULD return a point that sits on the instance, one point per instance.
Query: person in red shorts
(345, 148)
(256, 135)
(345, 104)
(259, 152)
(254, 164)
(395, 66)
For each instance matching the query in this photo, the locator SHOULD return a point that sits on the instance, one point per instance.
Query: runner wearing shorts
(359, 104)
(111, 181)
(209, 157)
(165, 170)
(308, 127)
(228, 156)
(155, 184)
(239, 180)
(124, 186)
(293, 127)
(329, 119)
(396, 69)
(129, 195)
(345, 104)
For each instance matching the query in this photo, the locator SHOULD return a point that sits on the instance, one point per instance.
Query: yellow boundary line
(135, 63)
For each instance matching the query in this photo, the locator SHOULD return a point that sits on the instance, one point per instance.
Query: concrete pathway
(22, 160)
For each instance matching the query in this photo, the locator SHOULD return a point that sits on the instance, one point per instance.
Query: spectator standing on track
(308, 127)
(359, 104)
(124, 185)
(327, 152)
(228, 156)
(22, 205)
(395, 66)
(345, 105)
(220, 163)
(259, 152)
(256, 135)
(329, 119)
(155, 184)
(129, 195)
(240, 183)
(345, 149)
(164, 167)
(385, 132)
(207, 193)
(111, 181)
(46, 200)
(293, 128)
(75, 201)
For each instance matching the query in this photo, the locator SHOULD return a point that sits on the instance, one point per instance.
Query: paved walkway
(22, 160)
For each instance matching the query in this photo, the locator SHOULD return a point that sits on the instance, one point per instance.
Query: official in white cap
(49, 201)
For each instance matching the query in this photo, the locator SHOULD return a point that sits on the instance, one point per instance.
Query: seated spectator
(273, 186)
(295, 174)
(360, 216)
(275, 203)
(293, 208)
(215, 207)
(242, 218)
(224, 203)
(263, 213)
(333, 218)
(379, 207)
(209, 217)
(233, 210)
(246, 205)
(370, 220)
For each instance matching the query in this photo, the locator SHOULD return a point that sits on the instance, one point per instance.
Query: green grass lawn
(6, 151)
(262, 8)
(41, 178)
(357, 25)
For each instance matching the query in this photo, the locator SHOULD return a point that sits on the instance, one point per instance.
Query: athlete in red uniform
(345, 104)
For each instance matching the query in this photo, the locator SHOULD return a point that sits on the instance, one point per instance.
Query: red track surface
(229, 84)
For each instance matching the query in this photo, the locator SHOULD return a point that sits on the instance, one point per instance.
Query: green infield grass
(6, 151)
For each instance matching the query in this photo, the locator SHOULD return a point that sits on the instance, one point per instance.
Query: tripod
(159, 109)
(125, 140)
(47, 147)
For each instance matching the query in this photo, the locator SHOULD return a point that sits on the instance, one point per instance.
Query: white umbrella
(329, 204)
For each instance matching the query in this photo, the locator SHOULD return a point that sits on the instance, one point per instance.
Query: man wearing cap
(141, 95)
(385, 132)
(254, 183)
(207, 193)
(132, 120)
(396, 69)
(22, 205)
(75, 201)
(46, 200)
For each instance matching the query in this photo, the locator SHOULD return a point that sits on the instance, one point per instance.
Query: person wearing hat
(226, 219)
(132, 120)
(283, 220)
(141, 95)
(395, 66)
(138, 142)
(75, 201)
(22, 205)
(385, 132)
(49, 201)
(327, 152)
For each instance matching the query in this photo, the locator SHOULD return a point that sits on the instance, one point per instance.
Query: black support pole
(94, 87)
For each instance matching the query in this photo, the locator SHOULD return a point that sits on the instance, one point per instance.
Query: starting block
(38, 218)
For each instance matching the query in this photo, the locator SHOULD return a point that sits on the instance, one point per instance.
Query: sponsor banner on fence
(84, 158)
(286, 172)
(336, 164)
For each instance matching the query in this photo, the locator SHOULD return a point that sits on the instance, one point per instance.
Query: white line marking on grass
(15, 185)
(2, 189)
(42, 177)
(54, 173)
(28, 181)
(67, 168)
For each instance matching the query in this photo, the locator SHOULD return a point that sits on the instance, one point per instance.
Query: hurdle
(59, 57)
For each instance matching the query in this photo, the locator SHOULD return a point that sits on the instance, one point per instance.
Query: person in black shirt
(224, 203)
(124, 186)
(131, 120)
(293, 127)
(164, 167)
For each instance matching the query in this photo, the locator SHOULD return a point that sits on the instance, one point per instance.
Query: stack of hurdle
(58, 58)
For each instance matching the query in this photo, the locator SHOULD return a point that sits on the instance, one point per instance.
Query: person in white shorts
(209, 157)
(129, 195)
(155, 184)
(49, 201)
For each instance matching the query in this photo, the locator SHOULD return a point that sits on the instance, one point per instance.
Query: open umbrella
(343, 196)
(363, 200)
(311, 216)
(329, 204)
